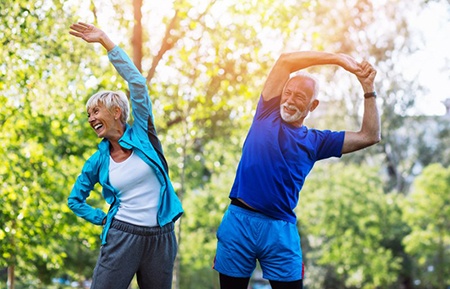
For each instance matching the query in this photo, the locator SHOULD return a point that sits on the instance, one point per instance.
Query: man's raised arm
(370, 132)
(288, 63)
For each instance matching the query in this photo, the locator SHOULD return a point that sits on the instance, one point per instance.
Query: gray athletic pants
(148, 252)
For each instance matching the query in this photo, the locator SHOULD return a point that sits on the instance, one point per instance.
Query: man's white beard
(290, 117)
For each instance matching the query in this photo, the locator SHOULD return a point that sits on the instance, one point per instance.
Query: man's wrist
(370, 94)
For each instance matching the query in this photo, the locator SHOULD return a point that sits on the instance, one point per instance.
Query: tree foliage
(43, 146)
(206, 62)
(350, 226)
(427, 212)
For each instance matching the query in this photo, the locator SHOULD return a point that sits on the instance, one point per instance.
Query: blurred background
(378, 218)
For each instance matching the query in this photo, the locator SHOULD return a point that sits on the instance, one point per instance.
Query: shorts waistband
(142, 230)
(254, 214)
(241, 204)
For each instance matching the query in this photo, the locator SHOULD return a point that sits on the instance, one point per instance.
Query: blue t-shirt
(276, 158)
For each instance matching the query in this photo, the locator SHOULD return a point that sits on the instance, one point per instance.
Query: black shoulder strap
(154, 140)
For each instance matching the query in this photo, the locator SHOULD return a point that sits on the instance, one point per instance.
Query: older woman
(138, 230)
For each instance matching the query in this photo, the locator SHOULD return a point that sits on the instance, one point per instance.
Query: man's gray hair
(111, 99)
(305, 74)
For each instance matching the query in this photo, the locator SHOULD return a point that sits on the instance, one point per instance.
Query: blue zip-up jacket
(141, 137)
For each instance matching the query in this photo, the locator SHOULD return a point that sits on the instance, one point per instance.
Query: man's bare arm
(370, 132)
(288, 63)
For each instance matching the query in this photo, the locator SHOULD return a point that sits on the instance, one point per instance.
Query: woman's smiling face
(101, 120)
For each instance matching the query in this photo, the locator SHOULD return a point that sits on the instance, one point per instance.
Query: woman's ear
(117, 112)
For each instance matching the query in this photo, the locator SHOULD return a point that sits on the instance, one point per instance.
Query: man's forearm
(371, 118)
(295, 61)
(371, 125)
(288, 63)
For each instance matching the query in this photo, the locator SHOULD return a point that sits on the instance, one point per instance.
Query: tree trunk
(137, 44)
(137, 34)
(176, 270)
(176, 266)
(11, 277)
(440, 261)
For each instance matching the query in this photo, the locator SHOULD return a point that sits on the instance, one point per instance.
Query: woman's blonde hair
(111, 99)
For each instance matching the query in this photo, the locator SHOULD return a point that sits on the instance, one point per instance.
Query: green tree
(206, 63)
(349, 227)
(42, 144)
(427, 211)
(205, 208)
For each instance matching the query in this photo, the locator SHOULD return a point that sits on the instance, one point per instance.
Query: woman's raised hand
(91, 34)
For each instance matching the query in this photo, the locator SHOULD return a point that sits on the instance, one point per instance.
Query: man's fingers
(366, 69)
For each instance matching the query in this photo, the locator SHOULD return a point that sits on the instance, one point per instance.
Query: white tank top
(139, 191)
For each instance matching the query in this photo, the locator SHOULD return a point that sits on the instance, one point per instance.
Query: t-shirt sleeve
(329, 143)
(266, 108)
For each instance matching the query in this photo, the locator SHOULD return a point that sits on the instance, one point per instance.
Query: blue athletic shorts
(245, 236)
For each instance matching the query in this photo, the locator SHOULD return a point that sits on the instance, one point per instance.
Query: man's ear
(314, 104)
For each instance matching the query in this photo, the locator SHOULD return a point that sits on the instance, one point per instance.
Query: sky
(432, 62)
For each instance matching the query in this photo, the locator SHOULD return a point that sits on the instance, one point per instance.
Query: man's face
(296, 100)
